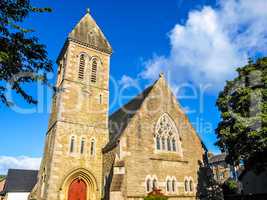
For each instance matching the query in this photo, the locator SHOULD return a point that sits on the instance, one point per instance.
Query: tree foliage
(242, 131)
(23, 59)
(229, 187)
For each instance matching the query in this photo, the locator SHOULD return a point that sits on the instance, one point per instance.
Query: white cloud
(212, 43)
(127, 81)
(21, 162)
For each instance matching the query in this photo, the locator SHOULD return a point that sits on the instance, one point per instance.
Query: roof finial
(161, 74)
(88, 10)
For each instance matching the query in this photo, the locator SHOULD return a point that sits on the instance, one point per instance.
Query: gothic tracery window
(166, 135)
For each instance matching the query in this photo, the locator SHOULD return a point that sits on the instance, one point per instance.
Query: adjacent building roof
(20, 180)
(88, 33)
(217, 158)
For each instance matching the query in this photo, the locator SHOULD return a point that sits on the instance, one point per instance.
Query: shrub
(230, 186)
(155, 198)
(156, 194)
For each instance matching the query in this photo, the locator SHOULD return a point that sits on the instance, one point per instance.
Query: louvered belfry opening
(81, 66)
(94, 71)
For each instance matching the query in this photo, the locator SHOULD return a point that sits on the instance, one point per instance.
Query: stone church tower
(78, 126)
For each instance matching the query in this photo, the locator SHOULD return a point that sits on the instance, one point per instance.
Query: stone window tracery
(166, 135)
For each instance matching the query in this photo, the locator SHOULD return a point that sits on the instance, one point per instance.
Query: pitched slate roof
(89, 34)
(20, 180)
(119, 120)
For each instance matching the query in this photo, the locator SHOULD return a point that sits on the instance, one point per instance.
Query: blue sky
(196, 43)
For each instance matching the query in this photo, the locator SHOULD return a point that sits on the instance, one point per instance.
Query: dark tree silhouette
(23, 60)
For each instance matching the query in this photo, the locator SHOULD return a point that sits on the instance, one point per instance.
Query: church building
(145, 145)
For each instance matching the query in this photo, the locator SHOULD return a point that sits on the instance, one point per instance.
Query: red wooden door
(77, 190)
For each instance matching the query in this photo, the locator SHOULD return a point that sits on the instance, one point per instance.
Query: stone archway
(79, 183)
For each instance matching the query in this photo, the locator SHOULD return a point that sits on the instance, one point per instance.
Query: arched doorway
(77, 190)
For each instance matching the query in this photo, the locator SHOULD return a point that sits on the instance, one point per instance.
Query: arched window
(82, 145)
(72, 143)
(174, 144)
(173, 185)
(92, 149)
(154, 184)
(166, 130)
(148, 184)
(169, 144)
(186, 185)
(191, 186)
(81, 66)
(168, 185)
(158, 142)
(94, 71)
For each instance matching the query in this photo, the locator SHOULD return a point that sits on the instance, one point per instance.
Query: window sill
(168, 157)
